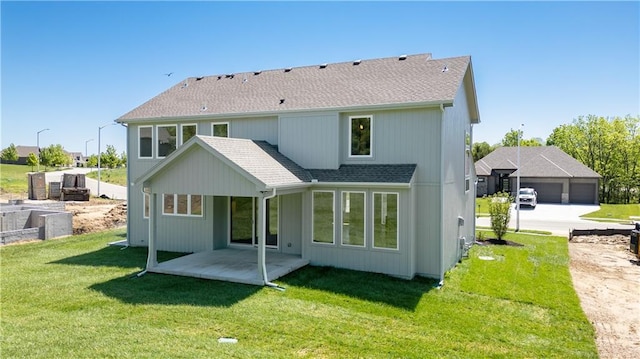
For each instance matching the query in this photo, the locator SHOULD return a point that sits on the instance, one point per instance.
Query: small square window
(220, 129)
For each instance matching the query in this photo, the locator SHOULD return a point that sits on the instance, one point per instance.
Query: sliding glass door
(244, 219)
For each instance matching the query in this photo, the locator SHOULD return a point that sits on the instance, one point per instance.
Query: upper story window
(145, 142)
(360, 136)
(166, 135)
(220, 129)
(188, 131)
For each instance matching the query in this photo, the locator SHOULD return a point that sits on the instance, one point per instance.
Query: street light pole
(518, 182)
(38, 145)
(86, 154)
(100, 129)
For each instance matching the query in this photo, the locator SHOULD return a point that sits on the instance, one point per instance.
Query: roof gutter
(387, 106)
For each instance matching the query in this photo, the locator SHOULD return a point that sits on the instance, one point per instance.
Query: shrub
(500, 212)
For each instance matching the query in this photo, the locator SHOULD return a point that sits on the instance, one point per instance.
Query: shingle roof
(24, 151)
(259, 159)
(366, 174)
(541, 161)
(418, 79)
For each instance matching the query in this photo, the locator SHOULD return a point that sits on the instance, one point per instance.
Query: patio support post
(262, 220)
(152, 259)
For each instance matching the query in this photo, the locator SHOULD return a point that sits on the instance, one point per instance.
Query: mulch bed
(498, 242)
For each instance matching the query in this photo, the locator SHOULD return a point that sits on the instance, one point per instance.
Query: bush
(500, 212)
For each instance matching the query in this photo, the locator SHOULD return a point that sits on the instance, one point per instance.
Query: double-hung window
(385, 220)
(353, 218)
(145, 142)
(323, 217)
(360, 135)
(167, 136)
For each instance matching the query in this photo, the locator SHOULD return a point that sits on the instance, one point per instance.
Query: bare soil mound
(97, 215)
(606, 277)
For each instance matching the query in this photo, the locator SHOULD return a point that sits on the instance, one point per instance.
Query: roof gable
(539, 161)
(256, 161)
(405, 81)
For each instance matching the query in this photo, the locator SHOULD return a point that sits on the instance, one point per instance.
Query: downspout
(263, 242)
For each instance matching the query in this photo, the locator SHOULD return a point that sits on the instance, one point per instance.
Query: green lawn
(77, 297)
(615, 211)
(116, 176)
(13, 178)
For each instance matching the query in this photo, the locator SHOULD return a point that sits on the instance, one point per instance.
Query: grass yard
(77, 297)
(116, 176)
(482, 207)
(615, 211)
(13, 178)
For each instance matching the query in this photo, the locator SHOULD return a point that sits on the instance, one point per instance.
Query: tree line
(609, 146)
(56, 156)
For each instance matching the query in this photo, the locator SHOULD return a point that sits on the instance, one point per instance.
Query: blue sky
(75, 66)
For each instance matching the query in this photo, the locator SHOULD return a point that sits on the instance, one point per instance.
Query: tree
(510, 139)
(609, 146)
(9, 154)
(54, 155)
(92, 161)
(32, 160)
(123, 159)
(500, 212)
(109, 159)
(481, 149)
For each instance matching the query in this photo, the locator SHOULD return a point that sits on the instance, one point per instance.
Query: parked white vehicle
(528, 197)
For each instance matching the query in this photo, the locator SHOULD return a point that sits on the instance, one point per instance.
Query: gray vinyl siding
(310, 140)
(392, 262)
(259, 129)
(290, 221)
(456, 122)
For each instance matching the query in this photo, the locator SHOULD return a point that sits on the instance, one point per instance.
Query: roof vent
(281, 101)
(185, 85)
(244, 80)
(203, 108)
(402, 57)
(229, 76)
(288, 69)
(322, 66)
(357, 62)
(445, 68)
(219, 77)
(199, 78)
(257, 72)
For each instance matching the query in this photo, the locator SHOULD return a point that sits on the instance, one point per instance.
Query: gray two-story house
(364, 165)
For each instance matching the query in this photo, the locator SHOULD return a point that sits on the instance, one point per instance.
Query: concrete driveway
(108, 189)
(558, 219)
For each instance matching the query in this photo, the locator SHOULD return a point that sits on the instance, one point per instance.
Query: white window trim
(467, 166)
(373, 232)
(144, 200)
(313, 214)
(221, 123)
(182, 126)
(370, 155)
(364, 217)
(157, 145)
(175, 206)
(140, 143)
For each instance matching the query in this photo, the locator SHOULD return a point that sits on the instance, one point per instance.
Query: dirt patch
(606, 277)
(97, 215)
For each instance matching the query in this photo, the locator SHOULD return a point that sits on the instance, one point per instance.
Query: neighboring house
(364, 165)
(78, 159)
(23, 154)
(556, 176)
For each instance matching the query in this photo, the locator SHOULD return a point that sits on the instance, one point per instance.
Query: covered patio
(231, 265)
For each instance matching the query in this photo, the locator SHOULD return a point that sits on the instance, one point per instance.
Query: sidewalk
(110, 190)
